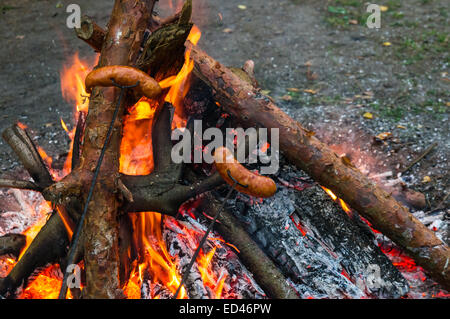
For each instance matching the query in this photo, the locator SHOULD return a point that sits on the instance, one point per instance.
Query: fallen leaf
(310, 91)
(242, 7)
(293, 90)
(265, 92)
(286, 98)
(20, 37)
(368, 115)
(346, 161)
(227, 30)
(387, 44)
(309, 133)
(447, 104)
(384, 8)
(401, 126)
(426, 179)
(352, 21)
(384, 136)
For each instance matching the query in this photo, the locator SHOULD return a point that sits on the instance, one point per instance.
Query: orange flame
(72, 82)
(44, 209)
(343, 204)
(179, 84)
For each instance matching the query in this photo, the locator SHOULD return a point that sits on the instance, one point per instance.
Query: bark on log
(91, 33)
(252, 109)
(121, 46)
(25, 149)
(265, 272)
(127, 24)
(12, 244)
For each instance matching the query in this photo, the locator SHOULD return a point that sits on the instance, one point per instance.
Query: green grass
(3, 9)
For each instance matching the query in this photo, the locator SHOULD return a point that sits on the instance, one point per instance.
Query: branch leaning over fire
(12, 183)
(252, 109)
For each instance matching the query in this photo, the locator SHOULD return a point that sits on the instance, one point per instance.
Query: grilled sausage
(123, 75)
(258, 186)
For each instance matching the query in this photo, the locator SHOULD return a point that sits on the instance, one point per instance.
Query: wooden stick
(91, 33)
(10, 183)
(252, 109)
(420, 157)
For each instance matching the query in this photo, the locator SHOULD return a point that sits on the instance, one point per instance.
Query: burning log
(12, 244)
(48, 246)
(252, 109)
(266, 273)
(126, 29)
(51, 242)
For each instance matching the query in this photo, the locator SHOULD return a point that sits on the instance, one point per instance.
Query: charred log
(161, 191)
(48, 246)
(12, 244)
(266, 273)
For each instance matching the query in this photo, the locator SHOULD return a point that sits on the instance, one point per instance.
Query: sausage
(258, 186)
(125, 76)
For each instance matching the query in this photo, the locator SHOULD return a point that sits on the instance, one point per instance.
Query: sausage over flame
(258, 186)
(125, 76)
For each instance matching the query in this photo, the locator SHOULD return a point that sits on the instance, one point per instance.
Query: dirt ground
(317, 59)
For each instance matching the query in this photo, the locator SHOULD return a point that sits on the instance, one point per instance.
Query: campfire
(119, 218)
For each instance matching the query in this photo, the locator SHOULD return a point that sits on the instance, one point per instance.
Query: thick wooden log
(121, 46)
(127, 24)
(12, 244)
(252, 109)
